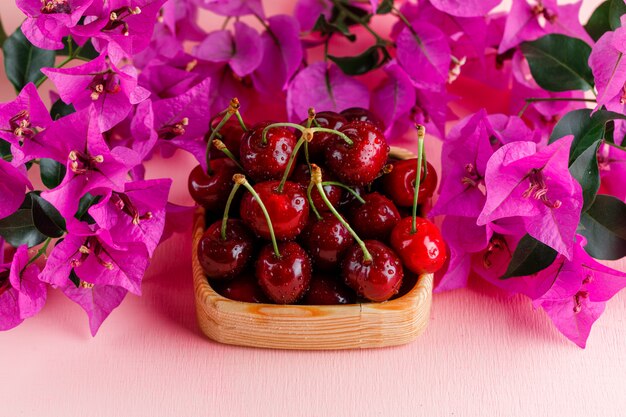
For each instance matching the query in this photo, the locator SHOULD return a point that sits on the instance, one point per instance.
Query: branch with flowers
(533, 165)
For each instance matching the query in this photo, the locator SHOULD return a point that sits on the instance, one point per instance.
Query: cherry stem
(309, 122)
(231, 197)
(303, 129)
(316, 178)
(233, 108)
(310, 198)
(241, 180)
(292, 158)
(421, 132)
(345, 187)
(221, 146)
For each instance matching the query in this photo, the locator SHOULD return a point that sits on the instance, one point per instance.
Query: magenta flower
(111, 90)
(136, 215)
(394, 97)
(181, 18)
(167, 80)
(466, 8)
(612, 165)
(233, 7)
(49, 21)
(609, 69)
(538, 187)
(13, 184)
(308, 11)
(22, 295)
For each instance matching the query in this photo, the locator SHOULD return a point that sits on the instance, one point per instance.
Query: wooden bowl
(364, 325)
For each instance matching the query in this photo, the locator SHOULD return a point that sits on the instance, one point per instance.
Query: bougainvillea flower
(243, 50)
(49, 21)
(394, 97)
(178, 219)
(112, 91)
(324, 87)
(465, 8)
(612, 166)
(282, 54)
(98, 301)
(233, 7)
(609, 69)
(531, 19)
(13, 184)
(538, 187)
(22, 118)
(308, 11)
(136, 215)
(167, 80)
(22, 294)
(181, 17)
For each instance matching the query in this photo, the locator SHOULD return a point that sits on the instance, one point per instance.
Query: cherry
(302, 175)
(399, 184)
(241, 288)
(421, 252)
(360, 114)
(284, 277)
(358, 163)
(324, 290)
(231, 135)
(376, 277)
(327, 119)
(327, 240)
(266, 159)
(211, 191)
(376, 218)
(288, 210)
(225, 258)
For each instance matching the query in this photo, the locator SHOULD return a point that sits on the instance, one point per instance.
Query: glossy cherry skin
(244, 287)
(211, 192)
(225, 258)
(422, 252)
(324, 290)
(376, 218)
(329, 120)
(360, 114)
(399, 184)
(288, 210)
(284, 280)
(267, 161)
(361, 162)
(377, 280)
(302, 175)
(326, 240)
(231, 133)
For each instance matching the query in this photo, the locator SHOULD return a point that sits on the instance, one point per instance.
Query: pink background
(483, 354)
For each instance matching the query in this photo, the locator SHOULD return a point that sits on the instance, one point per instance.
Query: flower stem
(233, 108)
(221, 146)
(547, 99)
(342, 8)
(40, 252)
(316, 178)
(63, 63)
(231, 197)
(421, 132)
(241, 180)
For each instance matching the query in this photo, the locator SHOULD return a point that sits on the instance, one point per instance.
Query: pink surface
(483, 354)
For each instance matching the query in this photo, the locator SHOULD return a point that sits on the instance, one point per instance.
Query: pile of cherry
(323, 215)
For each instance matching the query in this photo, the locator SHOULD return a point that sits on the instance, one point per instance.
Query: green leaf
(85, 202)
(604, 226)
(5, 150)
(385, 6)
(60, 109)
(23, 61)
(598, 24)
(52, 172)
(74, 278)
(47, 218)
(530, 257)
(559, 63)
(616, 10)
(326, 28)
(87, 51)
(369, 60)
(585, 170)
(19, 229)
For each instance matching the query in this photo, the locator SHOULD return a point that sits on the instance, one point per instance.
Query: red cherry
(327, 291)
(288, 210)
(302, 175)
(266, 161)
(232, 134)
(327, 240)
(225, 258)
(361, 162)
(377, 279)
(421, 252)
(349, 202)
(399, 184)
(212, 191)
(242, 288)
(329, 120)
(376, 218)
(284, 279)
(354, 114)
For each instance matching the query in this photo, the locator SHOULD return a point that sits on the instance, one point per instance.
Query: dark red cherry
(361, 162)
(225, 258)
(408, 283)
(212, 191)
(266, 161)
(284, 279)
(288, 210)
(231, 133)
(378, 279)
(302, 175)
(376, 218)
(399, 184)
(421, 252)
(349, 202)
(360, 114)
(328, 291)
(244, 287)
(329, 120)
(326, 240)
